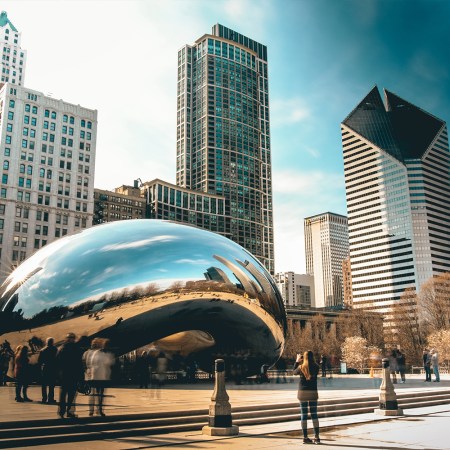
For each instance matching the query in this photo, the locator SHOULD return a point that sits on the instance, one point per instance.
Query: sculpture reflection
(138, 281)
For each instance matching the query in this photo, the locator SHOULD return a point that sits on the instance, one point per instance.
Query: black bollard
(219, 420)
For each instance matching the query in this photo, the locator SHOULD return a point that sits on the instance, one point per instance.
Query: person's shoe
(52, 402)
(317, 440)
(307, 440)
(19, 399)
(71, 415)
(91, 413)
(26, 399)
(101, 414)
(61, 415)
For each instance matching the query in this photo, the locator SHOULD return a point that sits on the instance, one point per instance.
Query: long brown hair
(309, 366)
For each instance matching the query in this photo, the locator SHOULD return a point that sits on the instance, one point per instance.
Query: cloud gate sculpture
(140, 281)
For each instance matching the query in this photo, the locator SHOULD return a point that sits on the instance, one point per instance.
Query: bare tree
(440, 340)
(434, 303)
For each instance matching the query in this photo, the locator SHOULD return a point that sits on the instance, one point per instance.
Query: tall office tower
(223, 133)
(326, 246)
(397, 176)
(13, 57)
(296, 289)
(47, 154)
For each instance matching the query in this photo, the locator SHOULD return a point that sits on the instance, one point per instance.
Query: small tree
(354, 352)
(440, 340)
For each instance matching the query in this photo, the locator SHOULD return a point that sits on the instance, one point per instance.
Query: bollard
(219, 420)
(388, 398)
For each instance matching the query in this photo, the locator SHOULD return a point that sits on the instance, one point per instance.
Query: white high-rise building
(47, 155)
(326, 247)
(13, 57)
(296, 289)
(397, 178)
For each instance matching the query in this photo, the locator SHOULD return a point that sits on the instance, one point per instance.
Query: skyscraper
(326, 246)
(223, 133)
(397, 176)
(47, 156)
(13, 57)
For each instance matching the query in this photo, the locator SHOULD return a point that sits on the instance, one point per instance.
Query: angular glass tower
(397, 176)
(223, 133)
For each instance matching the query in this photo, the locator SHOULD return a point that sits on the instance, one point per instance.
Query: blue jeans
(312, 406)
(436, 373)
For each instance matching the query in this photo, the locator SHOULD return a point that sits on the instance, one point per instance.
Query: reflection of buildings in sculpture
(296, 289)
(247, 283)
(124, 203)
(397, 176)
(216, 274)
(326, 246)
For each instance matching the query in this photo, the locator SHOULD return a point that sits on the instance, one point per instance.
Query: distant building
(124, 203)
(167, 201)
(326, 246)
(296, 289)
(347, 282)
(14, 58)
(47, 154)
(397, 178)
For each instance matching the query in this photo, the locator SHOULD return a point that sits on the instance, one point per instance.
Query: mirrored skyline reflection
(125, 255)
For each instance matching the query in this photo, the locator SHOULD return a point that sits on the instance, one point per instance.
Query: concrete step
(52, 431)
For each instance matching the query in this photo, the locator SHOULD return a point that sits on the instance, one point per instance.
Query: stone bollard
(388, 398)
(219, 421)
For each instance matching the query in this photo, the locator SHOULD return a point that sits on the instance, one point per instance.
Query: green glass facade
(223, 133)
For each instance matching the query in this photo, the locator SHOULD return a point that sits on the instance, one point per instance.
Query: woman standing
(22, 373)
(307, 393)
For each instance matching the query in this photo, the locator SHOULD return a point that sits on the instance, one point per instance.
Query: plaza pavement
(420, 428)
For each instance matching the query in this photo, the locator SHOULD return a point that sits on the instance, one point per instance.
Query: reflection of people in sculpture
(142, 370)
(47, 363)
(71, 371)
(22, 373)
(98, 362)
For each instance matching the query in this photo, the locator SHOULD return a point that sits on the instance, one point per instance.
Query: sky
(120, 58)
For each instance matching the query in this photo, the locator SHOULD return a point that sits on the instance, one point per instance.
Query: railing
(420, 370)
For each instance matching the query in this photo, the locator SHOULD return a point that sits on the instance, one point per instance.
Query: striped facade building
(397, 177)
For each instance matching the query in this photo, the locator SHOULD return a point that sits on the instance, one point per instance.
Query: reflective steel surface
(140, 281)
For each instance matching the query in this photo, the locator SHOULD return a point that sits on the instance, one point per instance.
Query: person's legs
(315, 419)
(51, 393)
(402, 374)
(436, 373)
(62, 400)
(101, 392)
(71, 392)
(18, 391)
(44, 392)
(304, 420)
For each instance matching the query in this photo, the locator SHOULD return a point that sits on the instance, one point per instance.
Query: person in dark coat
(307, 393)
(22, 373)
(69, 360)
(393, 366)
(401, 365)
(47, 364)
(427, 364)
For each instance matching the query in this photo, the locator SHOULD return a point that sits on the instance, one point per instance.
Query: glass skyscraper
(223, 133)
(397, 176)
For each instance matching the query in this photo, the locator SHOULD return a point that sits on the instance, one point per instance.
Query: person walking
(98, 362)
(143, 370)
(47, 365)
(323, 365)
(435, 365)
(307, 393)
(393, 368)
(22, 373)
(426, 357)
(401, 365)
(71, 371)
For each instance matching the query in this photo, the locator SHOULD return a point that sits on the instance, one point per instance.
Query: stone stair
(52, 431)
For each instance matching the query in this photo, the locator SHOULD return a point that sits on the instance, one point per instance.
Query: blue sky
(120, 57)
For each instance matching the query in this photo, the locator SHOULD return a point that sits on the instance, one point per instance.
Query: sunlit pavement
(420, 428)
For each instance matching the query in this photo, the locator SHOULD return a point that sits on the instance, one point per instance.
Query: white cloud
(289, 111)
(138, 244)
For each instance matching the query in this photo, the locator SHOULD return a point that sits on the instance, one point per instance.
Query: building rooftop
(5, 21)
